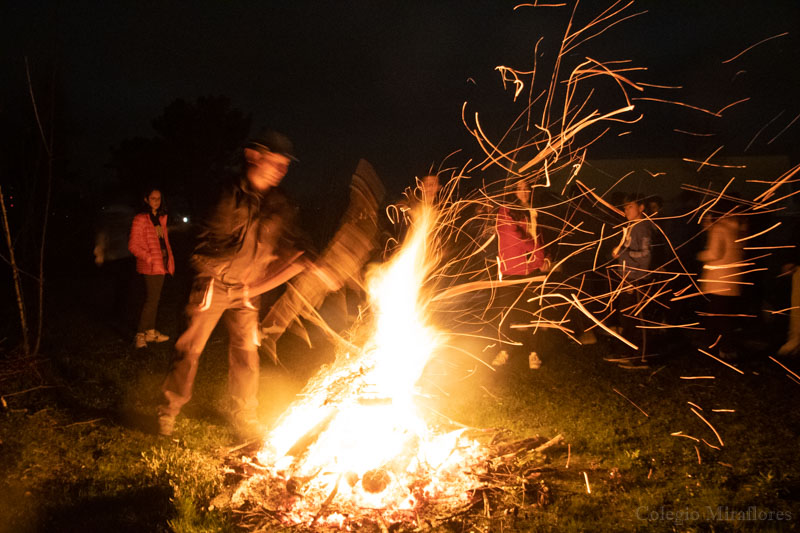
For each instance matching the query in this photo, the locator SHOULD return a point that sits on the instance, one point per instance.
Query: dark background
(349, 79)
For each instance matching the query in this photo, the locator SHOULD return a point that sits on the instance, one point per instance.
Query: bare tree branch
(48, 146)
(15, 274)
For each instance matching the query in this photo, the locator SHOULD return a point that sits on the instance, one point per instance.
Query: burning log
(301, 446)
(375, 481)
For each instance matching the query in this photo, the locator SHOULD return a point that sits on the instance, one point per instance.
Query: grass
(80, 455)
(635, 467)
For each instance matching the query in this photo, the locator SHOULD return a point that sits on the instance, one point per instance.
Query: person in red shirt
(520, 247)
(520, 254)
(149, 243)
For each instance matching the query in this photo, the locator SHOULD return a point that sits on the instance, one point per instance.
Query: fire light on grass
(356, 441)
(356, 444)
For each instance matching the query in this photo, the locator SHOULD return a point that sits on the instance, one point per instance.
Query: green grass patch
(80, 455)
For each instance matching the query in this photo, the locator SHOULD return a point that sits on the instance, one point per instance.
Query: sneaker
(153, 335)
(501, 359)
(140, 341)
(534, 362)
(166, 425)
(588, 337)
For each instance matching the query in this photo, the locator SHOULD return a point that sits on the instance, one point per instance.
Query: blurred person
(425, 193)
(721, 278)
(338, 267)
(111, 238)
(634, 257)
(789, 261)
(792, 345)
(430, 188)
(149, 243)
(115, 264)
(682, 232)
(653, 205)
(661, 257)
(520, 255)
(249, 240)
(582, 270)
(658, 245)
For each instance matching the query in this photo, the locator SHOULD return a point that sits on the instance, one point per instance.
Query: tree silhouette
(196, 145)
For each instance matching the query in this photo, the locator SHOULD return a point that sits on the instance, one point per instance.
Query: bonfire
(356, 447)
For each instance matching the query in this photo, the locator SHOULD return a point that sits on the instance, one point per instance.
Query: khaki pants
(207, 304)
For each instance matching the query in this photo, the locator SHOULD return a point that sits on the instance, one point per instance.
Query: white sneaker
(153, 335)
(139, 341)
(501, 359)
(534, 362)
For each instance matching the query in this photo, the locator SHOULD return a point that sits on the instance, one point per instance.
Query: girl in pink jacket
(149, 243)
(520, 254)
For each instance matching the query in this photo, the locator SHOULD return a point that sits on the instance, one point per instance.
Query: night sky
(385, 80)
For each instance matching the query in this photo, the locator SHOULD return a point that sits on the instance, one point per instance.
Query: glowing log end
(375, 481)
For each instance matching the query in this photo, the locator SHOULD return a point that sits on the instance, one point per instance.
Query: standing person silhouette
(634, 257)
(149, 243)
(249, 241)
(721, 279)
(520, 254)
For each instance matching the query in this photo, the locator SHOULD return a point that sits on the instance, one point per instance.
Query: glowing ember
(356, 441)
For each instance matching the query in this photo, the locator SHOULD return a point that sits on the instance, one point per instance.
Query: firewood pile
(509, 481)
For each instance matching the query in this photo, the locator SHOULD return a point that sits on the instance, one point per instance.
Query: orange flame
(356, 434)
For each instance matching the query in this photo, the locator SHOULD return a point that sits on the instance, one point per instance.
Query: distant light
(185, 219)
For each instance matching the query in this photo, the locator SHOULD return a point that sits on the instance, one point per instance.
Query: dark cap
(272, 141)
